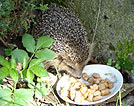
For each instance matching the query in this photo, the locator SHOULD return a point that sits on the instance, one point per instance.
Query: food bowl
(105, 72)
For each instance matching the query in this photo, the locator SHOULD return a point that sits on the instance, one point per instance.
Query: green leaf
(109, 62)
(14, 75)
(45, 54)
(23, 96)
(5, 96)
(42, 90)
(4, 72)
(19, 54)
(13, 63)
(25, 63)
(35, 62)
(9, 50)
(28, 42)
(39, 71)
(117, 66)
(4, 62)
(30, 76)
(43, 42)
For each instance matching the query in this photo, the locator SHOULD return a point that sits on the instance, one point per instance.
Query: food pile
(78, 92)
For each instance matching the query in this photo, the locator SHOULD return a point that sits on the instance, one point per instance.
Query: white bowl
(105, 72)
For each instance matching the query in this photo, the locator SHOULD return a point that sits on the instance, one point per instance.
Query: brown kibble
(102, 81)
(96, 75)
(110, 85)
(96, 98)
(106, 85)
(107, 80)
(85, 76)
(102, 86)
(105, 92)
(97, 81)
(90, 79)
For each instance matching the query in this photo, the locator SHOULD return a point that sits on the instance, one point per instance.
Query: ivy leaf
(4, 72)
(39, 71)
(5, 96)
(35, 62)
(4, 62)
(28, 42)
(43, 42)
(14, 75)
(45, 54)
(19, 54)
(30, 76)
(23, 96)
(13, 63)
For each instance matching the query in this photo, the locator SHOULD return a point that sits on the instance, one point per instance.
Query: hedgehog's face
(73, 69)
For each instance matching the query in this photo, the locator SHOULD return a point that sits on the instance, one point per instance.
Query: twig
(96, 21)
(5, 44)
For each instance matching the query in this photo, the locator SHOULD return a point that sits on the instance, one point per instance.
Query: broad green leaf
(43, 42)
(23, 96)
(19, 54)
(14, 75)
(25, 63)
(23, 74)
(4, 72)
(13, 63)
(39, 71)
(109, 62)
(20, 102)
(30, 76)
(5, 96)
(45, 54)
(35, 62)
(42, 90)
(4, 62)
(28, 42)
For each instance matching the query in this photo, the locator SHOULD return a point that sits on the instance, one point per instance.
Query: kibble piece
(90, 97)
(85, 76)
(96, 98)
(102, 86)
(106, 85)
(102, 81)
(97, 93)
(90, 79)
(110, 85)
(105, 92)
(96, 75)
(97, 81)
(107, 80)
(95, 87)
(78, 98)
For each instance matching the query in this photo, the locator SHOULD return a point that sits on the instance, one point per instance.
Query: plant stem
(57, 71)
(97, 20)
(120, 97)
(56, 97)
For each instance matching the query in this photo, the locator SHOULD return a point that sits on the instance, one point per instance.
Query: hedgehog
(70, 39)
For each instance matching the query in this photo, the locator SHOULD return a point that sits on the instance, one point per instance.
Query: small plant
(119, 100)
(112, 63)
(31, 66)
(124, 54)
